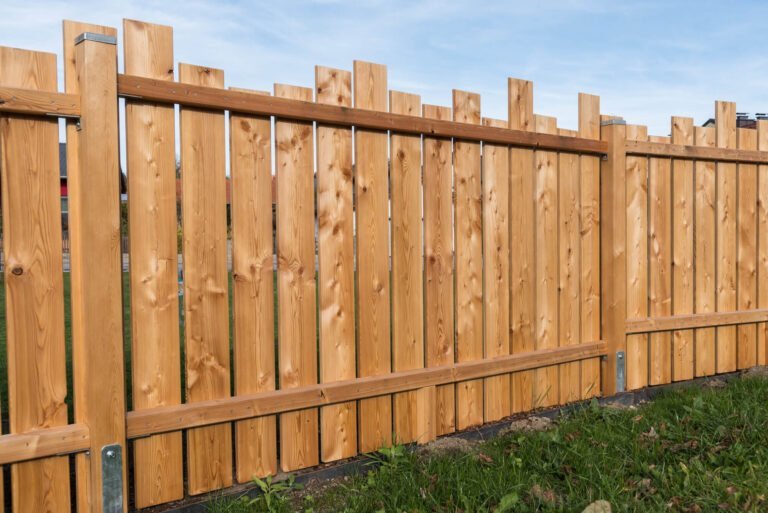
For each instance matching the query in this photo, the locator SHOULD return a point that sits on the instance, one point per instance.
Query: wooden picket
(428, 270)
(336, 272)
(151, 158)
(438, 265)
(206, 312)
(253, 300)
(469, 249)
(37, 384)
(498, 396)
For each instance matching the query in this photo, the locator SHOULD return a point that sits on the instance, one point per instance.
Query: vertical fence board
(747, 249)
(660, 263)
(413, 411)
(296, 290)
(637, 259)
(704, 240)
(762, 243)
(70, 30)
(498, 396)
(726, 243)
(682, 248)
(469, 259)
(336, 261)
(206, 317)
(37, 382)
(569, 257)
(438, 264)
(253, 300)
(522, 251)
(545, 388)
(151, 159)
(372, 224)
(589, 128)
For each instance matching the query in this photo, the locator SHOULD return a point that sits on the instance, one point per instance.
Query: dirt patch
(756, 372)
(527, 425)
(447, 444)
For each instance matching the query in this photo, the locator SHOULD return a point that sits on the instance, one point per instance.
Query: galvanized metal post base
(112, 478)
(621, 372)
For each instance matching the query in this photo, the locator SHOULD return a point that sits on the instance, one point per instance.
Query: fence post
(97, 325)
(613, 254)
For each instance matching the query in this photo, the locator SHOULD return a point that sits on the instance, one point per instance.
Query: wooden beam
(613, 250)
(211, 98)
(143, 423)
(700, 320)
(680, 151)
(42, 443)
(38, 103)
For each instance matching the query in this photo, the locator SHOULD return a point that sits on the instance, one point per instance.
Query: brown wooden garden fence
(466, 268)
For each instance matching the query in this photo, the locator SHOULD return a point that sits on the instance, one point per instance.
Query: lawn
(690, 450)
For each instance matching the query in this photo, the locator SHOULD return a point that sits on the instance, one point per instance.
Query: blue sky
(647, 60)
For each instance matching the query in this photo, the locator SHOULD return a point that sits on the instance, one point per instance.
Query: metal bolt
(110, 454)
(620, 356)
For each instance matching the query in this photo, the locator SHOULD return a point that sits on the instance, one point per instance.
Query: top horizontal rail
(680, 151)
(38, 103)
(212, 98)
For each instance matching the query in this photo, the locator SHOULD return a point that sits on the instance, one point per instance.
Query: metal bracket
(97, 38)
(621, 372)
(112, 478)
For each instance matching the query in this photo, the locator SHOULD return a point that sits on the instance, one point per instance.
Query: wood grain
(372, 225)
(545, 387)
(253, 299)
(211, 98)
(726, 235)
(705, 252)
(708, 154)
(336, 260)
(96, 277)
(296, 289)
(413, 411)
(438, 265)
(762, 243)
(34, 289)
(171, 418)
(70, 30)
(31, 102)
(697, 320)
(152, 223)
(660, 264)
(206, 312)
(498, 395)
(613, 249)
(522, 251)
(637, 259)
(589, 128)
(682, 250)
(746, 255)
(569, 270)
(469, 259)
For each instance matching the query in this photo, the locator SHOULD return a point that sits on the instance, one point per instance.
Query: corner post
(613, 253)
(97, 308)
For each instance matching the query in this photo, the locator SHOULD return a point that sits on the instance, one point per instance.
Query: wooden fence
(456, 280)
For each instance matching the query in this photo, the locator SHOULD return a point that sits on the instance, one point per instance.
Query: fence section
(435, 269)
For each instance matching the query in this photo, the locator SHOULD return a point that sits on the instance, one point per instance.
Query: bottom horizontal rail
(42, 443)
(142, 423)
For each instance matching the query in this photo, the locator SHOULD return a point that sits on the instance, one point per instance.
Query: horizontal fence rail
(324, 271)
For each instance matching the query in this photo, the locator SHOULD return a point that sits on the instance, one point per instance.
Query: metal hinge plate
(112, 478)
(621, 372)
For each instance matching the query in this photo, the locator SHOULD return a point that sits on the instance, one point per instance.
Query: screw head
(110, 454)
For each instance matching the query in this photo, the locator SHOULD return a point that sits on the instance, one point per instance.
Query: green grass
(690, 450)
